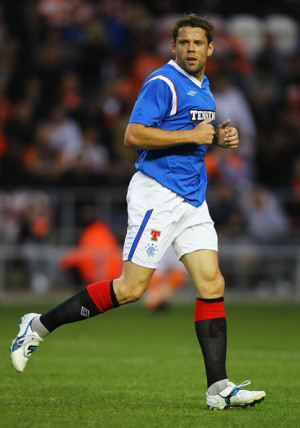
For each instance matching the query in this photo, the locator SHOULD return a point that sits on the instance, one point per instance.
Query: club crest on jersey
(199, 115)
(155, 234)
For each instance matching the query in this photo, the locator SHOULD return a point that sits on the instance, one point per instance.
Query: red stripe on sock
(100, 294)
(208, 310)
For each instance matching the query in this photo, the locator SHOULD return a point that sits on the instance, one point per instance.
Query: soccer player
(171, 125)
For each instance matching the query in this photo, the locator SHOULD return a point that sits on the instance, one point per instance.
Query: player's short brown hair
(193, 20)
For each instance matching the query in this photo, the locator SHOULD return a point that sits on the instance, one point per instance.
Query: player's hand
(204, 133)
(227, 136)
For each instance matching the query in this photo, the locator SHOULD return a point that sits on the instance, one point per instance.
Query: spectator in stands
(30, 221)
(92, 165)
(43, 163)
(231, 102)
(226, 211)
(64, 134)
(266, 221)
(97, 254)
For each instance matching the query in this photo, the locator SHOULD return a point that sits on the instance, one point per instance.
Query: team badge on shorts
(151, 249)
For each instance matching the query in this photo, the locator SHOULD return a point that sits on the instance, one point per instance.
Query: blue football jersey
(171, 99)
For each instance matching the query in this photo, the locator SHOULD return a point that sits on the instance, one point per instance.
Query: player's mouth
(191, 60)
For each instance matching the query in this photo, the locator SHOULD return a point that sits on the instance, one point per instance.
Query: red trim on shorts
(206, 310)
(100, 294)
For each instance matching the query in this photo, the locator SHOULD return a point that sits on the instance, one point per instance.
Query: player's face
(191, 50)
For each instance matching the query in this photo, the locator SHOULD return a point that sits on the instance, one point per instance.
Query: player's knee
(219, 284)
(212, 287)
(135, 294)
(129, 293)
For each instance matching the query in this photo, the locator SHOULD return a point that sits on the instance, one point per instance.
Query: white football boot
(25, 343)
(234, 396)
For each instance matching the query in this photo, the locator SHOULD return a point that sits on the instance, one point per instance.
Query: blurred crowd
(70, 72)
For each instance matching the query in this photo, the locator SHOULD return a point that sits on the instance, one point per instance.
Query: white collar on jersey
(192, 78)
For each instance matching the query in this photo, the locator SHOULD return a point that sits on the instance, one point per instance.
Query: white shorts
(158, 218)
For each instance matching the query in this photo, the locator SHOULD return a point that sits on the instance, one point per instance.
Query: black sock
(212, 336)
(78, 307)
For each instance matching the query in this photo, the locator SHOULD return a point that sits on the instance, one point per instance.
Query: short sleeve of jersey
(153, 104)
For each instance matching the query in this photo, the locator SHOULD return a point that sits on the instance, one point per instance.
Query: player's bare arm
(147, 137)
(226, 136)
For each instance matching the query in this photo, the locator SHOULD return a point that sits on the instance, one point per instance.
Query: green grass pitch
(129, 368)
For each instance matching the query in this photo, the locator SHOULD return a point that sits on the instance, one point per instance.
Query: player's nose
(191, 47)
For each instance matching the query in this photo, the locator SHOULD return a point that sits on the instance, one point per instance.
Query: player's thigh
(152, 219)
(203, 267)
(132, 283)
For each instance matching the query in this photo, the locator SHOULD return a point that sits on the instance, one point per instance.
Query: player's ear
(173, 47)
(210, 49)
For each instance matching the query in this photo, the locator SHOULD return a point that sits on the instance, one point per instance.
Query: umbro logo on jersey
(192, 93)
